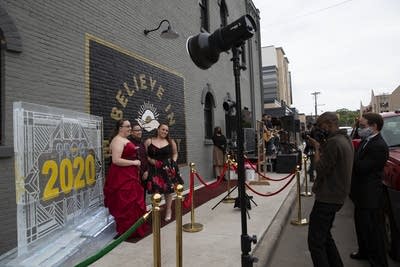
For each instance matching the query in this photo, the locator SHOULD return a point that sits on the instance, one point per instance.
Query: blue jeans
(323, 249)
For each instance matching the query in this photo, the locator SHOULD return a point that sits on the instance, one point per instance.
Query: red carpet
(201, 196)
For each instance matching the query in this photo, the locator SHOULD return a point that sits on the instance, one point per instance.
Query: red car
(391, 180)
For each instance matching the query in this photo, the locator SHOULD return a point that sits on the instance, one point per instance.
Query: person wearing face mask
(333, 160)
(367, 190)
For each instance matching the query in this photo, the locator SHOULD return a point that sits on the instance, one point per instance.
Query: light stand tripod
(204, 50)
(246, 240)
(228, 199)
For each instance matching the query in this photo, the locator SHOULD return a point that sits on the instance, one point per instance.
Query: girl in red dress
(123, 192)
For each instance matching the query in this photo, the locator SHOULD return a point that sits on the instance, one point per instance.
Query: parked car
(349, 129)
(391, 133)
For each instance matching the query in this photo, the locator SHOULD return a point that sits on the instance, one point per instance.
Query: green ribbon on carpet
(115, 243)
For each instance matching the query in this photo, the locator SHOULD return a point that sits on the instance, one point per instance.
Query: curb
(266, 245)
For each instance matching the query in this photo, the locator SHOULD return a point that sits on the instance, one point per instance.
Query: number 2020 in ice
(64, 172)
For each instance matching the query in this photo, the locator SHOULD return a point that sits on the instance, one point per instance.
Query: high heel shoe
(168, 214)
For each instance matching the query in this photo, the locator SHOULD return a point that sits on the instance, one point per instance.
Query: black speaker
(249, 140)
(287, 123)
(286, 163)
(297, 126)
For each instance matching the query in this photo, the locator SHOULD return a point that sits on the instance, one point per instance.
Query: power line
(311, 13)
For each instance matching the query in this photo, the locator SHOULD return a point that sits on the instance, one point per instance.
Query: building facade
(93, 56)
(394, 100)
(383, 102)
(277, 86)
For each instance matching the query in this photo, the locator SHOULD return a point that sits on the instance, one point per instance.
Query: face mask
(364, 132)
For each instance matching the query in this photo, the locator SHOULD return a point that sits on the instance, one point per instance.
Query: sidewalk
(218, 244)
(292, 248)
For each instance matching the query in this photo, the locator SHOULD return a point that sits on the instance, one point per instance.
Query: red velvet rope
(271, 194)
(188, 199)
(214, 184)
(268, 178)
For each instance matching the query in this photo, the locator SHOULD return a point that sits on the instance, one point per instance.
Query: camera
(318, 134)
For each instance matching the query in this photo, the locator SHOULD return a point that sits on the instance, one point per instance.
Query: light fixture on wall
(169, 33)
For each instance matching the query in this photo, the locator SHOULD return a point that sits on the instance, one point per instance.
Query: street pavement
(280, 244)
(292, 250)
(218, 244)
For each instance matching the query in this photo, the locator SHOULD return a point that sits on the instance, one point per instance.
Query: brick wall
(50, 70)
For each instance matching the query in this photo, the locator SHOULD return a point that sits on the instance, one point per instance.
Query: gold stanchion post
(178, 219)
(306, 193)
(299, 220)
(192, 227)
(156, 230)
(228, 198)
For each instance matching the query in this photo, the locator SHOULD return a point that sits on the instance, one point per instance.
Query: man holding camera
(333, 161)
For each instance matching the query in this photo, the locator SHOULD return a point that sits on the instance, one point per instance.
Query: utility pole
(315, 103)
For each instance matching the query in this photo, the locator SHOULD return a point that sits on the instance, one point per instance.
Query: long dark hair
(217, 130)
(166, 137)
(115, 130)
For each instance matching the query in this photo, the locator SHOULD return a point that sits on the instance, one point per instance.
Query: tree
(347, 117)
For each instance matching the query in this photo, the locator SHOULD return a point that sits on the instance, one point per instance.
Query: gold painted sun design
(148, 117)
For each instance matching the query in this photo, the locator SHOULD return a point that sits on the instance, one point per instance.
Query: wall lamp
(169, 33)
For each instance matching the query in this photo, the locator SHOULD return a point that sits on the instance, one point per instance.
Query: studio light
(229, 106)
(204, 48)
(169, 33)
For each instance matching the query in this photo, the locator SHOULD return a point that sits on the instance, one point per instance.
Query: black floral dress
(165, 173)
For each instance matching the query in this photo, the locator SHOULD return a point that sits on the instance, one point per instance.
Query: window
(223, 13)
(204, 15)
(208, 116)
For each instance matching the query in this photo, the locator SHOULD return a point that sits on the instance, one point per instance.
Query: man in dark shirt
(136, 139)
(333, 161)
(367, 190)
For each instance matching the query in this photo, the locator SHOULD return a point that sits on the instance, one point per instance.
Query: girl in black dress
(164, 173)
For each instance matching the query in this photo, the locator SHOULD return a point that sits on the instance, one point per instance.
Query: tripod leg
(229, 192)
(252, 200)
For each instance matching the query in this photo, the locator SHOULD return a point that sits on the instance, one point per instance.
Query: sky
(340, 48)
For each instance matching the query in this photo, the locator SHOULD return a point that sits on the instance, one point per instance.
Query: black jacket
(366, 184)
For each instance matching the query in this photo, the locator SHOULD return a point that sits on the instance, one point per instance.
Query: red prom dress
(124, 194)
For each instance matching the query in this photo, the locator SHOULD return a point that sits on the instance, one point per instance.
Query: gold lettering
(160, 92)
(152, 83)
(128, 90)
(142, 80)
(121, 98)
(167, 108)
(136, 83)
(116, 113)
(171, 119)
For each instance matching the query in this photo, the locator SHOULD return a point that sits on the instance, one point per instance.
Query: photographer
(333, 162)
(316, 133)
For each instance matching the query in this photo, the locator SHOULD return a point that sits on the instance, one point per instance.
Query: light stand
(204, 50)
(246, 240)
